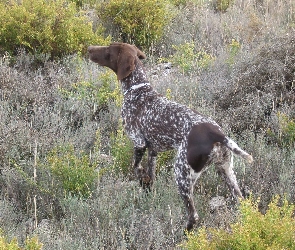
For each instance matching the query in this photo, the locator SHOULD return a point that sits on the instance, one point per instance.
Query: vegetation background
(65, 161)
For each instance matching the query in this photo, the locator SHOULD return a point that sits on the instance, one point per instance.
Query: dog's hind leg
(224, 167)
(185, 178)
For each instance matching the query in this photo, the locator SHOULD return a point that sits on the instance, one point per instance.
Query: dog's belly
(162, 138)
(162, 143)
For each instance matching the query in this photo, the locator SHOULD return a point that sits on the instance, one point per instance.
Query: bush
(100, 93)
(287, 129)
(234, 47)
(165, 160)
(189, 60)
(35, 118)
(284, 134)
(122, 151)
(76, 173)
(272, 230)
(51, 27)
(121, 216)
(221, 5)
(139, 22)
(253, 86)
(30, 244)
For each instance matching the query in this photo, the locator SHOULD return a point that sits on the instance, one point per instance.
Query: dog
(154, 123)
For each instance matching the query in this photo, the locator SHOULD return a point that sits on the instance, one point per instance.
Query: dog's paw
(143, 177)
(140, 172)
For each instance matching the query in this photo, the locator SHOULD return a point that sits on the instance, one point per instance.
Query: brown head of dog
(120, 57)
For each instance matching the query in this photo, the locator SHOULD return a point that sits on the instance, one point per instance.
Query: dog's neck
(136, 79)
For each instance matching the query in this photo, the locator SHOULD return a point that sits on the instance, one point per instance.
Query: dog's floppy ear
(126, 63)
(126, 60)
(140, 54)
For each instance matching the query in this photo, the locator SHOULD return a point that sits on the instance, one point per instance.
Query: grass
(247, 87)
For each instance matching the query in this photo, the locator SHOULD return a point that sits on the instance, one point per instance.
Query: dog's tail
(229, 143)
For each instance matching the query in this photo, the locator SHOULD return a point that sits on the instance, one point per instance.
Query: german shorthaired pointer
(152, 122)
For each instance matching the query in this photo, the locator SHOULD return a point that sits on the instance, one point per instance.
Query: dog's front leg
(138, 154)
(152, 160)
(139, 171)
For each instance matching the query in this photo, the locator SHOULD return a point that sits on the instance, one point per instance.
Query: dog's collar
(137, 86)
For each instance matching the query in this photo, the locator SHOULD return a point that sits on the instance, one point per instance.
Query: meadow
(65, 162)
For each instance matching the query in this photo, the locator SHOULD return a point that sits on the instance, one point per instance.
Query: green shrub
(50, 27)
(234, 47)
(247, 92)
(30, 244)
(76, 173)
(106, 92)
(165, 159)
(285, 134)
(141, 22)
(272, 230)
(121, 150)
(287, 129)
(179, 2)
(99, 93)
(80, 3)
(188, 59)
(221, 5)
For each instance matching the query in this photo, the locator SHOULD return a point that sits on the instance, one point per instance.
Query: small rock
(217, 202)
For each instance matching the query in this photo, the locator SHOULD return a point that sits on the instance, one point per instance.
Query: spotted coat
(155, 123)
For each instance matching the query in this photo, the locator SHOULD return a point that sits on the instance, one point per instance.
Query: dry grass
(244, 89)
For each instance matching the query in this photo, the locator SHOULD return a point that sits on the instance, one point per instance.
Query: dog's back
(164, 123)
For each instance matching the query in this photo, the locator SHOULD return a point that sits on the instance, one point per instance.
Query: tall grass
(246, 87)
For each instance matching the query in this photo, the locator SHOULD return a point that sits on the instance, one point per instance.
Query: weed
(188, 60)
(30, 244)
(76, 173)
(234, 48)
(253, 230)
(121, 150)
(49, 27)
(139, 22)
(286, 130)
(221, 5)
(67, 110)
